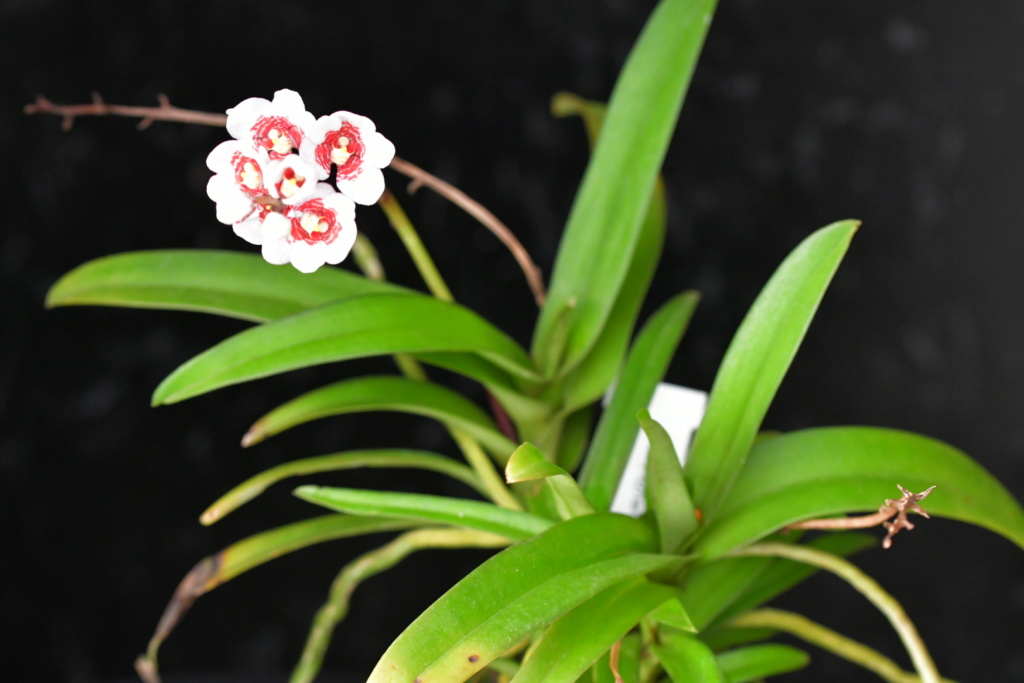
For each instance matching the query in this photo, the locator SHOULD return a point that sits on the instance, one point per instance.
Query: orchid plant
(574, 591)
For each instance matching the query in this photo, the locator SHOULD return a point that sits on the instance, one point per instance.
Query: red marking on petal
(264, 126)
(314, 209)
(334, 141)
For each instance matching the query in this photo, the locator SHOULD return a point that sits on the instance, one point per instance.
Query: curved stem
(370, 564)
(827, 639)
(479, 212)
(863, 584)
(490, 480)
(414, 245)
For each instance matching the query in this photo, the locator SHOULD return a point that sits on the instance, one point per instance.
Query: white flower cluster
(269, 181)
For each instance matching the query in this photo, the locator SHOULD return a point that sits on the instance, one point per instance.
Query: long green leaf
(516, 591)
(605, 221)
(222, 282)
(646, 365)
(389, 393)
(757, 360)
(667, 496)
(686, 658)
(577, 640)
(828, 471)
(370, 325)
(471, 514)
(592, 377)
(756, 662)
(376, 458)
(715, 591)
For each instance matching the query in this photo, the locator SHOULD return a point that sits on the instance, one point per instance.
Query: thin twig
(899, 507)
(479, 212)
(167, 112)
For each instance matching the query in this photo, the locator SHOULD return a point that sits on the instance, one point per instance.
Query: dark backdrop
(906, 116)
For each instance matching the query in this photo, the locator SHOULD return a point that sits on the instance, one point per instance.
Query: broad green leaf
(389, 393)
(672, 613)
(382, 457)
(370, 325)
(715, 591)
(686, 658)
(605, 220)
(221, 282)
(518, 590)
(667, 497)
(471, 514)
(646, 365)
(756, 662)
(578, 639)
(757, 360)
(527, 463)
(589, 380)
(828, 471)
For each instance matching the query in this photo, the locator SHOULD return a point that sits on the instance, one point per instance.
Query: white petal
(250, 230)
(308, 257)
(338, 249)
(343, 207)
(243, 115)
(379, 151)
(365, 125)
(276, 252)
(219, 159)
(276, 227)
(365, 188)
(232, 204)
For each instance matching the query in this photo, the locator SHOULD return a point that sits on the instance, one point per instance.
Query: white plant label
(679, 410)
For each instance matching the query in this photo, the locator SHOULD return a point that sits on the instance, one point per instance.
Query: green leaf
(667, 496)
(715, 591)
(756, 662)
(471, 514)
(384, 393)
(757, 360)
(528, 463)
(575, 437)
(520, 589)
(646, 365)
(779, 575)
(221, 282)
(578, 639)
(829, 471)
(382, 457)
(686, 659)
(605, 221)
(672, 613)
(370, 325)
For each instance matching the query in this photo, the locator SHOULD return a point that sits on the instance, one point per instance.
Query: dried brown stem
(453, 194)
(164, 112)
(899, 508)
(167, 112)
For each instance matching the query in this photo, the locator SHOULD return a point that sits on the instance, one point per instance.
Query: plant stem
(827, 639)
(482, 464)
(414, 245)
(865, 585)
(370, 564)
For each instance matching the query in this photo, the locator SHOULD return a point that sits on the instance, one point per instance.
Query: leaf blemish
(474, 658)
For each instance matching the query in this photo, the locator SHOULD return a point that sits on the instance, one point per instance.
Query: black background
(904, 115)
